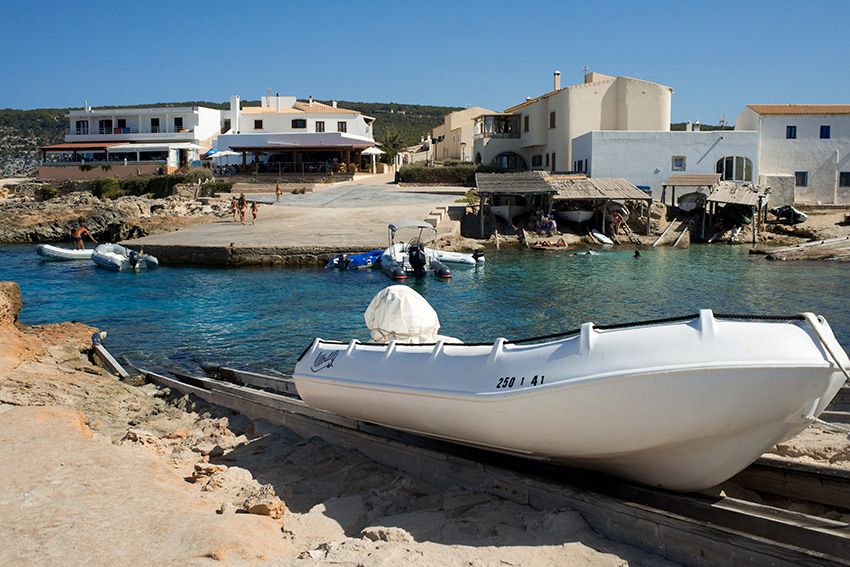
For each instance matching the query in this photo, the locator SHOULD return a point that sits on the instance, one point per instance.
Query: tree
(392, 144)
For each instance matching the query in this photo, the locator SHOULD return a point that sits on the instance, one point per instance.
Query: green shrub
(46, 192)
(100, 187)
(106, 166)
(135, 185)
(213, 187)
(86, 167)
(193, 175)
(455, 175)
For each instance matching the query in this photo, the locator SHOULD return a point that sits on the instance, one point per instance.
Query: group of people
(239, 207)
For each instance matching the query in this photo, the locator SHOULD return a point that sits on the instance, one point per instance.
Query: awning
(398, 225)
(79, 146)
(373, 151)
(731, 193)
(522, 183)
(692, 180)
(160, 147)
(597, 188)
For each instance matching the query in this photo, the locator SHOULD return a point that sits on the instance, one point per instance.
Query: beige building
(453, 138)
(538, 133)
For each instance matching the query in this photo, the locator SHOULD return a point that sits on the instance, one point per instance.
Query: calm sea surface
(262, 318)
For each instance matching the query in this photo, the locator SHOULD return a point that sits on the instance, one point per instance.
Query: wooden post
(702, 228)
(648, 205)
(755, 225)
(673, 202)
(481, 213)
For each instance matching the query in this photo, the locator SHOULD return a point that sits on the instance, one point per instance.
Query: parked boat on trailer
(119, 259)
(682, 403)
(50, 252)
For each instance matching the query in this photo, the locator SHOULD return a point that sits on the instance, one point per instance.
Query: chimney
(688, 126)
(557, 80)
(696, 126)
(311, 100)
(234, 114)
(277, 102)
(528, 98)
(333, 103)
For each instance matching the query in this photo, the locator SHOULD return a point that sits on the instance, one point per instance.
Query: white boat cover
(398, 313)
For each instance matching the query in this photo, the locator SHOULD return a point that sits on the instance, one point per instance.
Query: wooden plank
(280, 385)
(104, 359)
(657, 240)
(824, 485)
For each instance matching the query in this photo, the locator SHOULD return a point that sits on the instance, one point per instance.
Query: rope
(828, 425)
(813, 323)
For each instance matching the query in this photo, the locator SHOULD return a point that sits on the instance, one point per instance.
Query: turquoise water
(262, 318)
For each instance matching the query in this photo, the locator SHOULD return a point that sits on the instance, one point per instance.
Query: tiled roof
(513, 183)
(780, 109)
(731, 192)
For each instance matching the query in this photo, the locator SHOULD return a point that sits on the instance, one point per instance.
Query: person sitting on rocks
(77, 237)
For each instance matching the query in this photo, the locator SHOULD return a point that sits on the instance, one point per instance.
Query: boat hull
(576, 216)
(594, 402)
(55, 253)
(117, 258)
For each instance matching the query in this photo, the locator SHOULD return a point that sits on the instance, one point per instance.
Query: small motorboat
(50, 252)
(467, 258)
(575, 216)
(363, 261)
(403, 259)
(682, 403)
(119, 259)
(691, 201)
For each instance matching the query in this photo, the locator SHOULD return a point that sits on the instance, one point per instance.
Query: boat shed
(746, 194)
(695, 182)
(601, 190)
(530, 185)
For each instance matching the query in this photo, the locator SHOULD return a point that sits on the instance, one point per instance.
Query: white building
(647, 159)
(127, 141)
(805, 146)
(289, 136)
(538, 133)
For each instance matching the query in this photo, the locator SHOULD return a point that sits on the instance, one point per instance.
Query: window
(525, 123)
(155, 125)
(226, 126)
(342, 126)
(791, 132)
(824, 133)
(320, 125)
(258, 124)
(844, 179)
(82, 127)
(736, 168)
(537, 161)
(122, 123)
(547, 160)
(584, 169)
(552, 119)
(104, 126)
(678, 163)
(299, 123)
(801, 178)
(509, 160)
(553, 161)
(178, 123)
(501, 126)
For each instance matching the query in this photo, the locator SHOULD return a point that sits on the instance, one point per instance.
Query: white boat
(508, 212)
(683, 404)
(50, 252)
(412, 258)
(691, 201)
(117, 258)
(465, 258)
(601, 238)
(576, 216)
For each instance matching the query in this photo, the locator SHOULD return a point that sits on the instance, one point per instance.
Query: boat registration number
(514, 381)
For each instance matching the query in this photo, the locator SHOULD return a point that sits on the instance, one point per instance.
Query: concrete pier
(304, 229)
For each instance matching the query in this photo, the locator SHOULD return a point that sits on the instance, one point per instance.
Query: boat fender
(478, 255)
(440, 269)
(707, 325)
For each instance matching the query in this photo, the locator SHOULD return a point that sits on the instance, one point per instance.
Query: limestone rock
(264, 502)
(231, 479)
(10, 303)
(381, 533)
(143, 438)
(205, 470)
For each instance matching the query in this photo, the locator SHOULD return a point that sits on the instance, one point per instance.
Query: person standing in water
(277, 193)
(77, 237)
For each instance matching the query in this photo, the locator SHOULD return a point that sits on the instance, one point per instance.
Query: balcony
(498, 126)
(130, 133)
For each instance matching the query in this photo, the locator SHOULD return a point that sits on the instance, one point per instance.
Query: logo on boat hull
(324, 360)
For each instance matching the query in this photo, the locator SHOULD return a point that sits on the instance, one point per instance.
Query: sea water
(262, 318)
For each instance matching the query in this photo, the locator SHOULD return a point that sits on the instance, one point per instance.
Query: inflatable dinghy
(119, 259)
(50, 252)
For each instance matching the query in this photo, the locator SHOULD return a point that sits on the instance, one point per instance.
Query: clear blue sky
(717, 56)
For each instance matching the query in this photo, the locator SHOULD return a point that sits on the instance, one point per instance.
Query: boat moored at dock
(682, 403)
(412, 258)
(119, 259)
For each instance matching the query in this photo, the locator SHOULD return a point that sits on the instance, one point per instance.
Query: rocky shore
(24, 218)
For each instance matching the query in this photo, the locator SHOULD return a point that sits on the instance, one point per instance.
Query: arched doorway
(511, 161)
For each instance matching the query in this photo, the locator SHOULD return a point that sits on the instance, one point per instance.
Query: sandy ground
(96, 471)
(351, 215)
